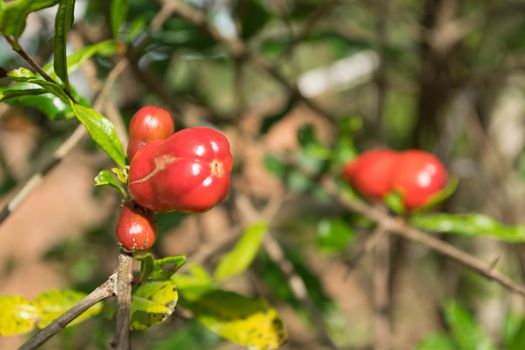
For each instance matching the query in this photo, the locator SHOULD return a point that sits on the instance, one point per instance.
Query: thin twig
(278, 256)
(365, 248)
(403, 229)
(15, 45)
(123, 292)
(381, 294)
(104, 291)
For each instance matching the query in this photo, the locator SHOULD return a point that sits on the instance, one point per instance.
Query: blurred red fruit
(418, 176)
(371, 172)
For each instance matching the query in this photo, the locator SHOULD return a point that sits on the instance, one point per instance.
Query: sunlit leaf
(472, 225)
(119, 11)
(466, 332)
(54, 303)
(151, 303)
(437, 342)
(165, 268)
(14, 13)
(193, 283)
(17, 315)
(102, 132)
(247, 321)
(105, 178)
(242, 255)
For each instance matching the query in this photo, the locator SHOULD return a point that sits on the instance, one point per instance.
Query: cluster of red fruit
(415, 174)
(187, 171)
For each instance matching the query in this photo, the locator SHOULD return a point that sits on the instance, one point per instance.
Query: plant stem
(123, 292)
(102, 292)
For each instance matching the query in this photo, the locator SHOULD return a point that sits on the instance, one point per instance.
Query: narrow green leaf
(515, 337)
(13, 93)
(437, 342)
(54, 303)
(119, 12)
(17, 315)
(24, 75)
(14, 14)
(105, 178)
(247, 321)
(101, 131)
(242, 255)
(63, 22)
(165, 268)
(440, 196)
(153, 302)
(472, 225)
(74, 61)
(193, 283)
(466, 332)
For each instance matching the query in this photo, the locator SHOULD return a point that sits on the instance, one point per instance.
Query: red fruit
(148, 124)
(189, 171)
(371, 173)
(135, 228)
(418, 175)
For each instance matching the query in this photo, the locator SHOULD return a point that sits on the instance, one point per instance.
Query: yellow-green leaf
(247, 321)
(55, 302)
(17, 315)
(152, 303)
(242, 255)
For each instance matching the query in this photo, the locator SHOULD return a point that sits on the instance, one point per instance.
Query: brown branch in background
(239, 49)
(104, 291)
(278, 256)
(123, 293)
(381, 293)
(365, 248)
(399, 227)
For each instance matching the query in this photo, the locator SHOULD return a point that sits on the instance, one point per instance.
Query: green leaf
(253, 16)
(334, 235)
(48, 104)
(119, 12)
(17, 315)
(437, 342)
(55, 302)
(242, 255)
(515, 336)
(194, 283)
(165, 268)
(121, 174)
(63, 23)
(13, 93)
(473, 225)
(146, 264)
(74, 61)
(105, 178)
(102, 132)
(394, 200)
(24, 75)
(247, 321)
(14, 14)
(466, 332)
(440, 196)
(151, 303)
